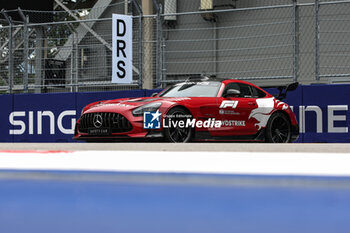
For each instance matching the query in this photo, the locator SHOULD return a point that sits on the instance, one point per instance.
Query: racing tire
(278, 129)
(175, 133)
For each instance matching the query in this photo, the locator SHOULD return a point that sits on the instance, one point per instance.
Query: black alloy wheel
(278, 129)
(176, 133)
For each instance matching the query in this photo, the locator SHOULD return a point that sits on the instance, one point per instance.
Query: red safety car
(198, 109)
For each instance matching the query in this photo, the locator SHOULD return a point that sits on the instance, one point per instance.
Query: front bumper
(135, 134)
(111, 125)
(125, 138)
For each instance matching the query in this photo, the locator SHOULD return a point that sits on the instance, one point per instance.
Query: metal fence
(240, 43)
(288, 40)
(333, 60)
(74, 54)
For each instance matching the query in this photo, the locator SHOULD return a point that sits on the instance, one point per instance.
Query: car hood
(129, 103)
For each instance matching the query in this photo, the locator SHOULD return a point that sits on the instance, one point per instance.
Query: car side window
(245, 91)
(230, 86)
(257, 93)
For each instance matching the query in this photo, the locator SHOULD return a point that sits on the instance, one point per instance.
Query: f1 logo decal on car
(229, 103)
(151, 120)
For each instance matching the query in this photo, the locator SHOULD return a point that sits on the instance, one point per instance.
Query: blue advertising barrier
(326, 116)
(43, 117)
(321, 110)
(5, 126)
(48, 117)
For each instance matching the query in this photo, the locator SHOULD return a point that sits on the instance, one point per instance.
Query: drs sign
(122, 49)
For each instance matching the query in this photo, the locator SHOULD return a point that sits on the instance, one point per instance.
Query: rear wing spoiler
(283, 89)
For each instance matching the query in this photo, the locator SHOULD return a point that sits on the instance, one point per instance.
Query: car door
(234, 112)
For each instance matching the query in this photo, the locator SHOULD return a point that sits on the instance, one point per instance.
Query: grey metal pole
(215, 47)
(76, 63)
(157, 48)
(72, 63)
(10, 62)
(158, 8)
(160, 44)
(73, 54)
(126, 7)
(140, 44)
(148, 45)
(317, 46)
(25, 52)
(39, 62)
(11, 70)
(163, 63)
(76, 89)
(296, 41)
(140, 81)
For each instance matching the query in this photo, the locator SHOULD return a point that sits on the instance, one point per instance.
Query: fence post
(148, 45)
(39, 60)
(296, 41)
(163, 64)
(215, 47)
(140, 44)
(158, 42)
(72, 56)
(11, 57)
(73, 66)
(25, 52)
(76, 62)
(317, 45)
(159, 46)
(11, 71)
(140, 61)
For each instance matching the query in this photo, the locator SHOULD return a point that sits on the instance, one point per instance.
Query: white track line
(254, 163)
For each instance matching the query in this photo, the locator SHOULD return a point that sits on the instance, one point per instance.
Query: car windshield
(193, 89)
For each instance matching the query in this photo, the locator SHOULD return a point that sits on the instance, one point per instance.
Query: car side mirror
(232, 93)
(154, 94)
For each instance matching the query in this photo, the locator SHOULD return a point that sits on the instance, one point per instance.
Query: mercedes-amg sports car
(200, 109)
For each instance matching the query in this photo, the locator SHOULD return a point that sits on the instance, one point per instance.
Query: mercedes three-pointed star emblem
(97, 120)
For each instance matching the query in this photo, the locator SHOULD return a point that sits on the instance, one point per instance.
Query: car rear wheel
(177, 131)
(278, 129)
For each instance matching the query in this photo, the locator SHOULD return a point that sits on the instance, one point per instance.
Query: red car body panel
(248, 116)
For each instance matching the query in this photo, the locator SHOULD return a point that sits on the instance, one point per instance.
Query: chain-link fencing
(73, 54)
(272, 41)
(333, 41)
(232, 44)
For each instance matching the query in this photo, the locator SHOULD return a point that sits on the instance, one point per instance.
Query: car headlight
(151, 107)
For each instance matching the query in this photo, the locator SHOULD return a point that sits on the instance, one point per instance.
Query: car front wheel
(176, 131)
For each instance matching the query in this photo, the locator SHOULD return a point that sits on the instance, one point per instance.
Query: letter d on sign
(122, 49)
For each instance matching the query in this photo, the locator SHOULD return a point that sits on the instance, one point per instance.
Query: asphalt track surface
(70, 201)
(207, 146)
